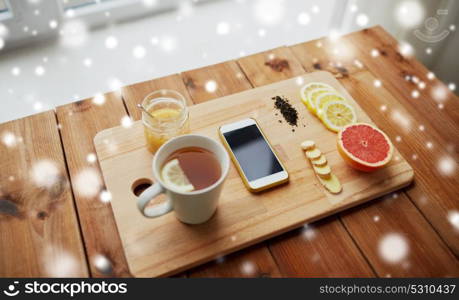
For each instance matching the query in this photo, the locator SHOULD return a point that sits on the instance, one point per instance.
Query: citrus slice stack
(365, 147)
(173, 176)
(328, 105)
(308, 89)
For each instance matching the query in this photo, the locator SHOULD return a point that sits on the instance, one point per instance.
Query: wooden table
(50, 225)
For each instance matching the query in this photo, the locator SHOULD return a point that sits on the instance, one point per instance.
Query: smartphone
(255, 159)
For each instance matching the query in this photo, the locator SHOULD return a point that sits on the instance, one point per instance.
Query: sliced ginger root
(321, 168)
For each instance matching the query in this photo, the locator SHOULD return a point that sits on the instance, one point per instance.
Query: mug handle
(157, 210)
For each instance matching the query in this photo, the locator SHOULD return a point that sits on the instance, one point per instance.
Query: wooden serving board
(164, 246)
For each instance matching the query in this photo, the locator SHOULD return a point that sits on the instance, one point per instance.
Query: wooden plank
(215, 81)
(255, 261)
(359, 81)
(39, 231)
(135, 93)
(270, 66)
(411, 250)
(259, 73)
(80, 121)
(228, 79)
(392, 68)
(312, 251)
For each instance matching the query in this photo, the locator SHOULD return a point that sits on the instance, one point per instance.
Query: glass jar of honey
(164, 116)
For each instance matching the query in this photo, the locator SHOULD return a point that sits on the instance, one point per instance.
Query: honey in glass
(167, 117)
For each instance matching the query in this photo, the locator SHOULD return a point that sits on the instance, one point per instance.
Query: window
(5, 11)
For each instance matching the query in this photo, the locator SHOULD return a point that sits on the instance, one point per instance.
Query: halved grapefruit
(365, 147)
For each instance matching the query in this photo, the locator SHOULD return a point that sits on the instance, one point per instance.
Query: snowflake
(59, 263)
(269, 12)
(223, 28)
(126, 122)
(429, 50)
(362, 20)
(220, 260)
(102, 264)
(40, 70)
(105, 196)
(114, 84)
(111, 42)
(422, 85)
(414, 156)
(91, 158)
(87, 62)
(447, 166)
(248, 268)
(261, 32)
(353, 8)
(150, 3)
(2, 43)
(383, 107)
(439, 93)
(99, 99)
(403, 121)
(315, 9)
(299, 80)
(168, 43)
(393, 248)
(415, 94)
(45, 173)
(374, 52)
(334, 35)
(53, 24)
(452, 86)
(88, 183)
(74, 33)
(409, 13)
(211, 86)
(422, 127)
(377, 83)
(406, 49)
(309, 233)
(398, 138)
(430, 76)
(376, 218)
(139, 52)
(303, 18)
(429, 145)
(453, 218)
(38, 106)
(9, 139)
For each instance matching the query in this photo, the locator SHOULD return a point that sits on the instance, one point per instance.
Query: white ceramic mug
(192, 207)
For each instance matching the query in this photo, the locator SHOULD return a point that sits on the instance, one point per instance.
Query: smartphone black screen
(252, 152)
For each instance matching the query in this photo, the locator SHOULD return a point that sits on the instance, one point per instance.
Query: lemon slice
(337, 114)
(165, 113)
(324, 98)
(172, 174)
(306, 89)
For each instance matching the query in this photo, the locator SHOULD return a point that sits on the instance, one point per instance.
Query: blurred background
(54, 52)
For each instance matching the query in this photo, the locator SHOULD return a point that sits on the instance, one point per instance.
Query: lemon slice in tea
(337, 114)
(173, 175)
